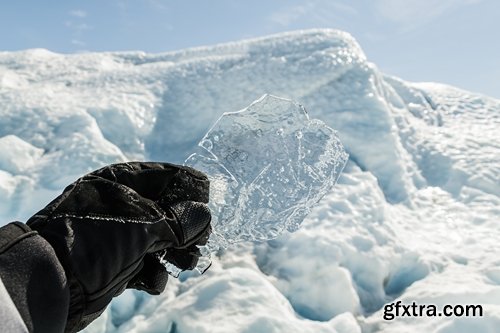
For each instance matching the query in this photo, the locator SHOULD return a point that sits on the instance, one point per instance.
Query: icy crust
(269, 164)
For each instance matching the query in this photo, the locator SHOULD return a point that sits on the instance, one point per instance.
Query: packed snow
(413, 217)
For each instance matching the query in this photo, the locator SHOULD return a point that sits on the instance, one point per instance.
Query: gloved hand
(106, 227)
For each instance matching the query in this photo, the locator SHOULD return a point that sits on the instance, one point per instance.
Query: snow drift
(413, 216)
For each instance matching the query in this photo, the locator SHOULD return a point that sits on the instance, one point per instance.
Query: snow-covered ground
(414, 216)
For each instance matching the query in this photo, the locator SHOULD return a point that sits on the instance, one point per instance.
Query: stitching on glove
(107, 218)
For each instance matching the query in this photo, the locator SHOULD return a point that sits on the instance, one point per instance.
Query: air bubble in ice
(207, 144)
(243, 156)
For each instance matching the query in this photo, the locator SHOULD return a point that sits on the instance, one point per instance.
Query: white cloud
(158, 4)
(291, 14)
(77, 42)
(78, 13)
(340, 7)
(77, 25)
(78, 28)
(411, 13)
(322, 12)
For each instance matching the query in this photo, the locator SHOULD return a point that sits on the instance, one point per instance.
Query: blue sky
(450, 41)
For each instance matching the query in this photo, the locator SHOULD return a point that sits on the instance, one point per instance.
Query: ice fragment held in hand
(268, 165)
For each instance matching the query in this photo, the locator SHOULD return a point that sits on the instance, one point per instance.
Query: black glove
(106, 227)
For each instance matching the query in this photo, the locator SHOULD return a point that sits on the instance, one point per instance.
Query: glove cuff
(34, 278)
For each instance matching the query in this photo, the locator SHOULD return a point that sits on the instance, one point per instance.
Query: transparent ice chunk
(268, 165)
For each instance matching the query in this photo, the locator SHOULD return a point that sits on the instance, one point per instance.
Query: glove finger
(187, 185)
(192, 223)
(152, 278)
(183, 258)
(192, 228)
(163, 182)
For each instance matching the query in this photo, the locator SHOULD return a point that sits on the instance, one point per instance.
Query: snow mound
(413, 217)
(17, 155)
